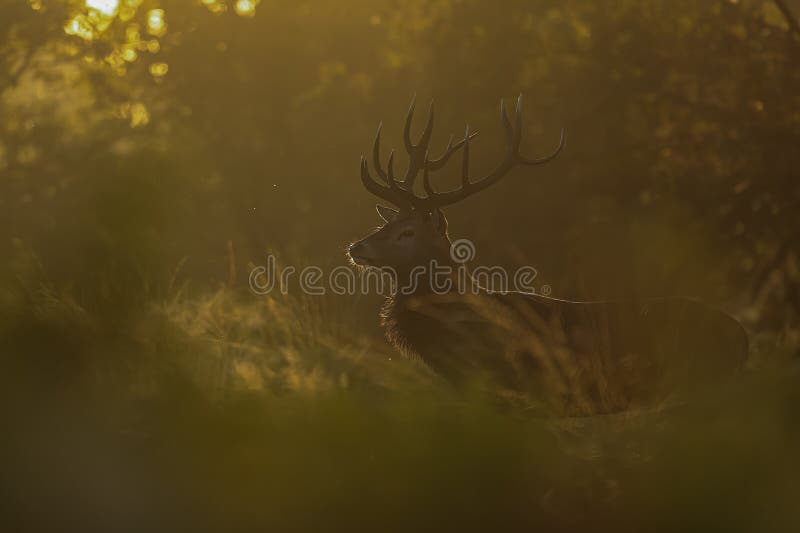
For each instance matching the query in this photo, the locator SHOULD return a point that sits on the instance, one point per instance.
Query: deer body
(610, 355)
(585, 355)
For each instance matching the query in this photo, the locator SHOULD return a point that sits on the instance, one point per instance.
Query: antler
(402, 194)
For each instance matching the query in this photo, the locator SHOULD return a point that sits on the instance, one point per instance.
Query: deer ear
(439, 221)
(387, 213)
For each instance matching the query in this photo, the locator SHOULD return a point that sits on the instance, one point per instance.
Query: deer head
(416, 232)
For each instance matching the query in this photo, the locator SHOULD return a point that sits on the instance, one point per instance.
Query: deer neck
(438, 277)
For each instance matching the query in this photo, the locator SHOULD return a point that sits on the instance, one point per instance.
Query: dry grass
(219, 410)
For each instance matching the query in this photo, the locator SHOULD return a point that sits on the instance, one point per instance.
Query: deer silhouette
(578, 356)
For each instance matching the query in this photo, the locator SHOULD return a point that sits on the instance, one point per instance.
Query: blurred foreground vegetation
(224, 415)
(152, 151)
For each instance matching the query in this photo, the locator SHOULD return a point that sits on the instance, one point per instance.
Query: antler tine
(368, 182)
(465, 160)
(390, 173)
(376, 154)
(426, 178)
(394, 195)
(562, 141)
(512, 158)
(515, 134)
(517, 137)
(412, 148)
(416, 152)
(425, 139)
(401, 193)
(505, 120)
(437, 164)
(407, 128)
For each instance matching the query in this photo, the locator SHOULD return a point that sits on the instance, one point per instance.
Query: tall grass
(165, 407)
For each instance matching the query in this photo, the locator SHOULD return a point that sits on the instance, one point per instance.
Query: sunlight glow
(106, 7)
(94, 21)
(128, 9)
(156, 25)
(136, 112)
(246, 8)
(80, 26)
(215, 6)
(158, 70)
(129, 55)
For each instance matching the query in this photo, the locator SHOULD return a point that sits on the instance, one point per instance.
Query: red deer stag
(578, 356)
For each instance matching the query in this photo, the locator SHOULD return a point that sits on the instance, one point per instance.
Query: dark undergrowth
(226, 412)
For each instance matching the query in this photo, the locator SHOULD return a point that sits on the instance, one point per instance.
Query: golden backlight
(154, 154)
(156, 23)
(106, 7)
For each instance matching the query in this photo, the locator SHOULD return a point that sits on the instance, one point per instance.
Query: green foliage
(252, 123)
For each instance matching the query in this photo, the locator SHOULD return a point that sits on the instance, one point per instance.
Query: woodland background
(152, 151)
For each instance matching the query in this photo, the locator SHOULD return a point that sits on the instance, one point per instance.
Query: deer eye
(407, 234)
